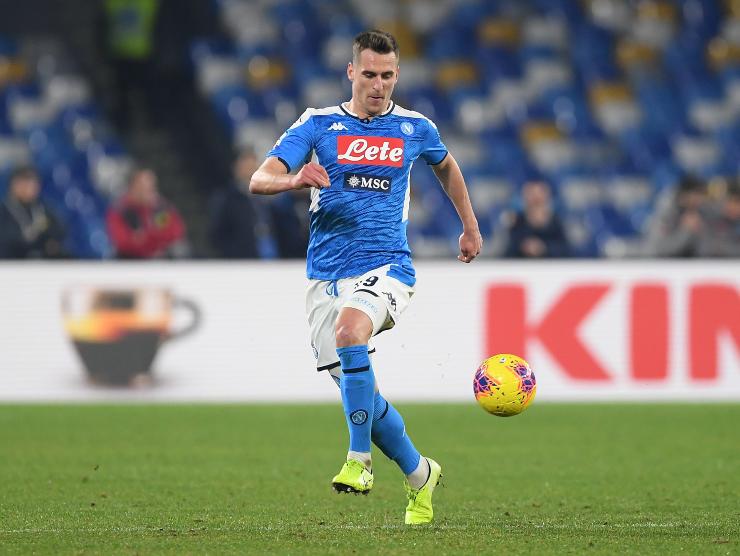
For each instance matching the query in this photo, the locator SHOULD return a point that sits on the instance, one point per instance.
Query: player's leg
(357, 385)
(383, 299)
(422, 474)
(389, 434)
(323, 306)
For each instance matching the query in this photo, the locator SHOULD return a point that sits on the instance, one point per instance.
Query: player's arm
(451, 178)
(272, 177)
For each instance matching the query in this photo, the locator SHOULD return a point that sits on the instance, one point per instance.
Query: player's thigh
(322, 309)
(381, 297)
(353, 327)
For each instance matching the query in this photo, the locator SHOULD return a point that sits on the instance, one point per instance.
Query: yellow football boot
(354, 477)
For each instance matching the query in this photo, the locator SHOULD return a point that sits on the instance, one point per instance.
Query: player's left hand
(471, 243)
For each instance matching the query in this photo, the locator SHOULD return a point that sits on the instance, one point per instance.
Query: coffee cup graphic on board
(117, 332)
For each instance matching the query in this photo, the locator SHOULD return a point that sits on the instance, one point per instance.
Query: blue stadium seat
(565, 9)
(645, 149)
(467, 15)
(235, 104)
(495, 64)
(593, 53)
(447, 43)
(428, 101)
(8, 47)
(701, 18)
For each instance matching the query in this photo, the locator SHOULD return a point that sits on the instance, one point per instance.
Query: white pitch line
(270, 528)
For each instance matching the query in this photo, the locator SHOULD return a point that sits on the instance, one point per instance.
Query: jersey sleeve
(433, 150)
(294, 147)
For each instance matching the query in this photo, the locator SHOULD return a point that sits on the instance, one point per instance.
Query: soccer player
(359, 264)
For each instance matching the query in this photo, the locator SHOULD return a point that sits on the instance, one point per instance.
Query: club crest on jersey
(407, 128)
(370, 151)
(354, 181)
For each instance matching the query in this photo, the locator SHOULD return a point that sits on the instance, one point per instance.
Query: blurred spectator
(233, 219)
(536, 231)
(143, 225)
(129, 35)
(723, 238)
(288, 216)
(680, 225)
(246, 226)
(28, 228)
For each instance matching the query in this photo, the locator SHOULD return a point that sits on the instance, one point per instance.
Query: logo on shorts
(358, 417)
(391, 299)
(315, 351)
(366, 182)
(365, 302)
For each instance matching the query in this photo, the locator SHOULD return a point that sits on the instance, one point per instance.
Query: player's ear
(350, 72)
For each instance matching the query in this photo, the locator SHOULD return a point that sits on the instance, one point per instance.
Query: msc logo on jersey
(366, 182)
(371, 151)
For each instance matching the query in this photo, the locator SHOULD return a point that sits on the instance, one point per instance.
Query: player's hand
(311, 175)
(471, 243)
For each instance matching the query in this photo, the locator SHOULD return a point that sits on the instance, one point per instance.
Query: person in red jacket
(143, 225)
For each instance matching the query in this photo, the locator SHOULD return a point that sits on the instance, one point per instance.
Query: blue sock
(358, 387)
(389, 434)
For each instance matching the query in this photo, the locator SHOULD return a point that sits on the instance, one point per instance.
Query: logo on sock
(358, 417)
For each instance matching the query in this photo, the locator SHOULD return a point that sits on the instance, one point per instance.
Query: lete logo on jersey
(371, 151)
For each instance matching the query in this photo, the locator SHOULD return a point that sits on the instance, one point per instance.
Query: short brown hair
(23, 173)
(377, 41)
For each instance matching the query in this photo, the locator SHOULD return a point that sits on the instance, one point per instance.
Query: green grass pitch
(179, 479)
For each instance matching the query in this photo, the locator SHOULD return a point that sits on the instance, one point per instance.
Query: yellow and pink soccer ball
(504, 385)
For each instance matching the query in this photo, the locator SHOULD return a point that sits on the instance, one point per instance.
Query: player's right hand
(311, 175)
(471, 243)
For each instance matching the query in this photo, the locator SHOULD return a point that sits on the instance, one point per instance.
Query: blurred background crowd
(584, 128)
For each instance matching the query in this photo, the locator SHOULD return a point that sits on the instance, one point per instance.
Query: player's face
(373, 77)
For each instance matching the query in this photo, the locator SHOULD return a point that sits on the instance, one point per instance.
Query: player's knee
(350, 335)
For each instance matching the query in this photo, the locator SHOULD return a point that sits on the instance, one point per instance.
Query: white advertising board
(596, 330)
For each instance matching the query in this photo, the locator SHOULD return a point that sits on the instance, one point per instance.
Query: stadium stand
(49, 118)
(611, 102)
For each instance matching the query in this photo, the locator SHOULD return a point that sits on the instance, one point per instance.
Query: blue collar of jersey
(391, 106)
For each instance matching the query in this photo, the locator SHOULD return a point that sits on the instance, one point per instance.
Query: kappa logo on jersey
(371, 151)
(337, 126)
(366, 182)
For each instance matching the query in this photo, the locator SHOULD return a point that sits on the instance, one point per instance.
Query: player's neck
(353, 108)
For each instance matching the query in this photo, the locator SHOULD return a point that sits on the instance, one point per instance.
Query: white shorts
(381, 297)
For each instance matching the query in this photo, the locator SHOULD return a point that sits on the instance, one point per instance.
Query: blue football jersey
(359, 222)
